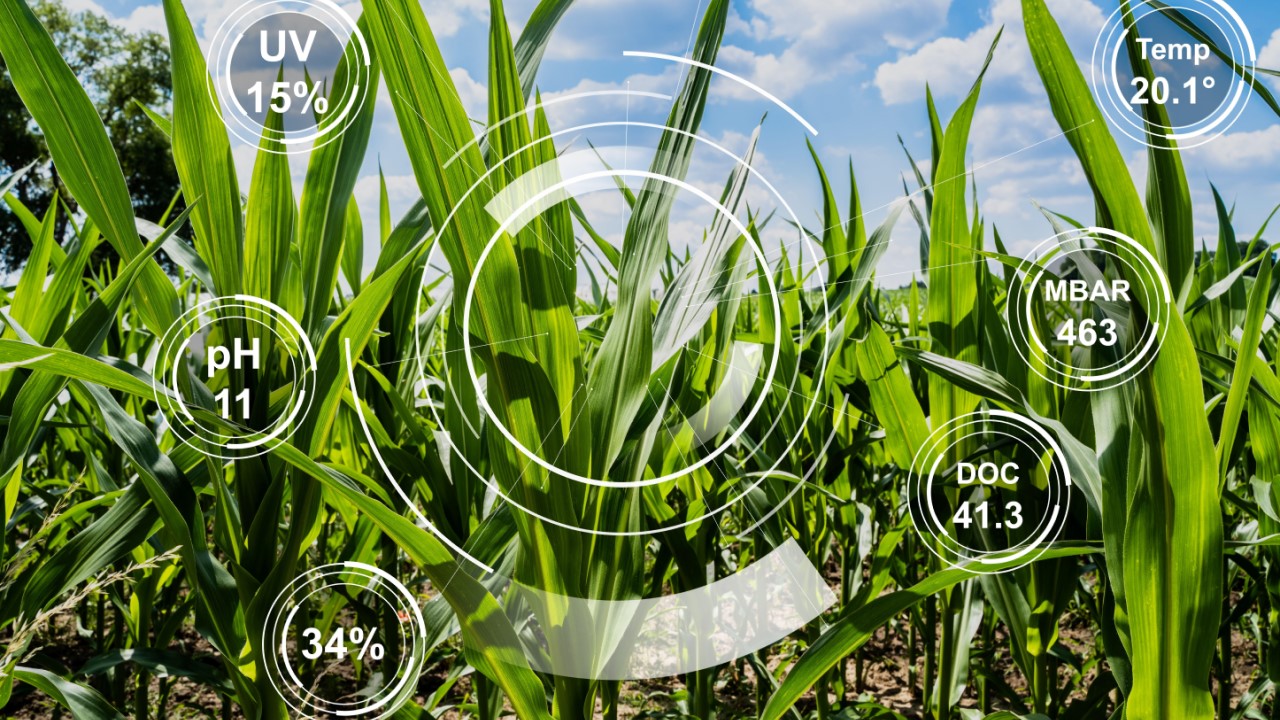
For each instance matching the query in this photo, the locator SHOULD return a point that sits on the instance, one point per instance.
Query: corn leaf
(1173, 538)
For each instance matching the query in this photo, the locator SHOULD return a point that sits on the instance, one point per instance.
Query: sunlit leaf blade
(1173, 538)
(202, 155)
(78, 142)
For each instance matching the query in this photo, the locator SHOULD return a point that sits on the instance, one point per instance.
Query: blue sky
(856, 71)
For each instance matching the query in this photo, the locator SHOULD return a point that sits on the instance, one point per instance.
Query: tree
(120, 70)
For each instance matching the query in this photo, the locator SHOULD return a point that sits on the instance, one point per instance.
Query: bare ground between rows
(886, 679)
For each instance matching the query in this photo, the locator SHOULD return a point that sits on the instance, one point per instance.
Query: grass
(167, 562)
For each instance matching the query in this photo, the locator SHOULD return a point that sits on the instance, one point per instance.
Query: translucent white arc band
(685, 632)
(760, 590)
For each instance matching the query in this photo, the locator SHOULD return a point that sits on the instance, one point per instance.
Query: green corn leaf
(990, 385)
(12, 178)
(202, 155)
(491, 642)
(178, 251)
(271, 217)
(1173, 535)
(896, 406)
(356, 323)
(447, 162)
(84, 336)
(1168, 196)
(81, 151)
(83, 701)
(26, 299)
(331, 177)
(29, 221)
(384, 208)
(853, 630)
(953, 263)
(353, 246)
(708, 277)
(125, 525)
(1246, 73)
(164, 124)
(544, 247)
(161, 663)
(619, 377)
(1246, 358)
(1221, 287)
(534, 38)
(835, 242)
(175, 502)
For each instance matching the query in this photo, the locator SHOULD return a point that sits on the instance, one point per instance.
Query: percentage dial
(336, 644)
(382, 659)
(284, 93)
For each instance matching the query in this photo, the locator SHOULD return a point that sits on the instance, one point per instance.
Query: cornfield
(459, 386)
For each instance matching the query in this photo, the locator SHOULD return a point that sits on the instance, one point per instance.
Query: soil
(880, 674)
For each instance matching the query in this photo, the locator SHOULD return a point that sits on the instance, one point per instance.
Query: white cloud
(602, 29)
(951, 64)
(447, 17)
(945, 64)
(569, 47)
(1240, 151)
(76, 6)
(785, 74)
(827, 23)
(817, 51)
(149, 18)
(1018, 158)
(146, 18)
(402, 191)
(474, 95)
(1270, 57)
(568, 113)
(1003, 128)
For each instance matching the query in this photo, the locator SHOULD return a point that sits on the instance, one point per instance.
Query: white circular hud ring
(169, 373)
(223, 96)
(364, 578)
(1104, 74)
(933, 530)
(1155, 308)
(791, 389)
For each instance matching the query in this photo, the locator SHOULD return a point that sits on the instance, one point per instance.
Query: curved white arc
(507, 225)
(804, 239)
(736, 78)
(546, 103)
(674, 634)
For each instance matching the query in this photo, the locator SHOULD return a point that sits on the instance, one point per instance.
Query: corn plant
(169, 559)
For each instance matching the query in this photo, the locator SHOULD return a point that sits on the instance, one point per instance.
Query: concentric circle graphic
(383, 636)
(989, 491)
(575, 177)
(704, 459)
(708, 383)
(304, 61)
(1096, 296)
(215, 358)
(1193, 49)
